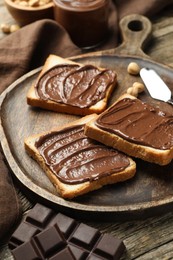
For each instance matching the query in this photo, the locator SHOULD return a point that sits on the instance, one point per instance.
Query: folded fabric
(27, 49)
(10, 208)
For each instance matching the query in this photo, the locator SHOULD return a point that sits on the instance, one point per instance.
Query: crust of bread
(70, 191)
(34, 100)
(161, 157)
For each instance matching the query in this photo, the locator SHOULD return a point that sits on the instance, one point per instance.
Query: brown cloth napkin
(27, 49)
(9, 206)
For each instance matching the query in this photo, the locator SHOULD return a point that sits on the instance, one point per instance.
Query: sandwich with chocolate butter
(135, 128)
(76, 164)
(69, 87)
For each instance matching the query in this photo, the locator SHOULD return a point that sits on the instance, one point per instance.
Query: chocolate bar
(46, 234)
(48, 244)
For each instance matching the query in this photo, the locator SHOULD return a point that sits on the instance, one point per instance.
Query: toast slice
(74, 163)
(135, 128)
(69, 87)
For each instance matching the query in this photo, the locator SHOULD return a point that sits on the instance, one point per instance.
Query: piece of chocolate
(48, 244)
(46, 234)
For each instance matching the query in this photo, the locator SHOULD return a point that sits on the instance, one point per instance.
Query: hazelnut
(5, 28)
(136, 88)
(133, 68)
(14, 28)
(33, 3)
(132, 91)
(23, 3)
(139, 86)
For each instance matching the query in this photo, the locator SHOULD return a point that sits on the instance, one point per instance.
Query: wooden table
(150, 238)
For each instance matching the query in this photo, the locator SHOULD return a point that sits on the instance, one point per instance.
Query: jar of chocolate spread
(86, 21)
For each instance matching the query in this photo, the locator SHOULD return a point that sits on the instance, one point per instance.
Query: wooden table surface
(145, 239)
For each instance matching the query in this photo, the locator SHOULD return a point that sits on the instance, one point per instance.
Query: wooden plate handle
(136, 31)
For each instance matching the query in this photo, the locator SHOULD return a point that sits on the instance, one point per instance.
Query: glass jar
(86, 21)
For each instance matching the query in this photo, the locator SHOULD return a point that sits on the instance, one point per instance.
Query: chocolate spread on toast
(138, 122)
(75, 158)
(75, 85)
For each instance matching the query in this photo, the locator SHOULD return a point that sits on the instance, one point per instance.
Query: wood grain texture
(149, 238)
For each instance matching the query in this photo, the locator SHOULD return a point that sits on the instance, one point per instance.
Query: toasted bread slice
(74, 95)
(124, 142)
(76, 164)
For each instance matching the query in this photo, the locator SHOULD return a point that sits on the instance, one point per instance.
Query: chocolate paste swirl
(74, 158)
(81, 5)
(139, 123)
(75, 85)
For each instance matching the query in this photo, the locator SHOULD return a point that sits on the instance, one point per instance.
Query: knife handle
(170, 101)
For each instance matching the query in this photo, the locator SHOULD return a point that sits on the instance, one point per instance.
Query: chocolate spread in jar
(86, 21)
(75, 85)
(74, 158)
(138, 122)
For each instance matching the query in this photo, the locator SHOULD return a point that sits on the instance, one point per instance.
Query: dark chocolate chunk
(23, 234)
(48, 244)
(109, 247)
(26, 251)
(50, 240)
(79, 253)
(46, 234)
(66, 224)
(64, 254)
(85, 236)
(39, 216)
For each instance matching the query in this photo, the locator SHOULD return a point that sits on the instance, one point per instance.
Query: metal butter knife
(156, 86)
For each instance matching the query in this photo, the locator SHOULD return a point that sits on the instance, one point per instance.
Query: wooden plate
(149, 192)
